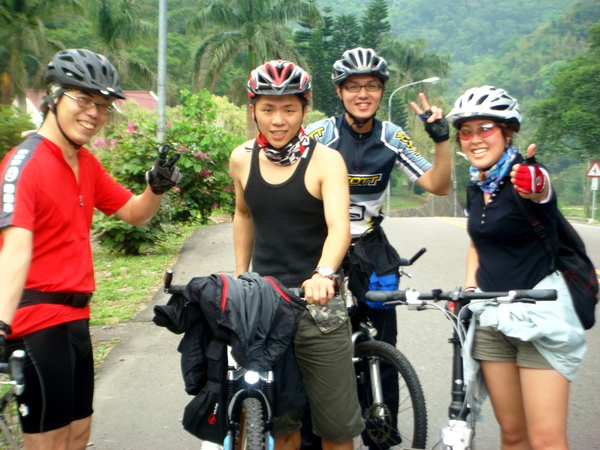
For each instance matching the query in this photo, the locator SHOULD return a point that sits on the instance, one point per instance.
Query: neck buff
(489, 179)
(288, 154)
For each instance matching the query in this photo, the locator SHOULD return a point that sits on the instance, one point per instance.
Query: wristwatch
(325, 272)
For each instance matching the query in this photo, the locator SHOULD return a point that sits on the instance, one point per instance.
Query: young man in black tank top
(291, 221)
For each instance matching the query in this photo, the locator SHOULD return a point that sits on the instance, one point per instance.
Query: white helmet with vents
(359, 61)
(485, 102)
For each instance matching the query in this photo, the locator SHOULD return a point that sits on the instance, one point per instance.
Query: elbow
(445, 190)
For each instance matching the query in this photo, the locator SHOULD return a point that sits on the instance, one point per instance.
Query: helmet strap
(52, 108)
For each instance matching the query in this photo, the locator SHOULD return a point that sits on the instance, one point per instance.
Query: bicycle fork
(458, 435)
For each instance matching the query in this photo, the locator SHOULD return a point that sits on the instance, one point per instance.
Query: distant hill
(462, 28)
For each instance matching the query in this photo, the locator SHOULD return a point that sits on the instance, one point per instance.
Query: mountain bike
(249, 399)
(11, 385)
(394, 419)
(462, 412)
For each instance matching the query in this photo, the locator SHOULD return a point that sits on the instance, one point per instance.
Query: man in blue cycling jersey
(371, 148)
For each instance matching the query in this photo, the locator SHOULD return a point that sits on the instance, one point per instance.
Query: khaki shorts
(492, 345)
(325, 362)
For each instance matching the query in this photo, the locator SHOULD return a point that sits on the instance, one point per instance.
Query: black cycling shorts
(59, 376)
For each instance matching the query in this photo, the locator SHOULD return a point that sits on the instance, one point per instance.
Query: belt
(33, 297)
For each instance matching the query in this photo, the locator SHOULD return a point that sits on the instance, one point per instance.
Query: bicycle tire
(412, 413)
(252, 427)
(11, 435)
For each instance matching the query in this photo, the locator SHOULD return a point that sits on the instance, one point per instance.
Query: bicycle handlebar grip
(417, 255)
(536, 294)
(16, 361)
(168, 279)
(384, 296)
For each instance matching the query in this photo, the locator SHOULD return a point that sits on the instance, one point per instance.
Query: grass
(402, 202)
(125, 284)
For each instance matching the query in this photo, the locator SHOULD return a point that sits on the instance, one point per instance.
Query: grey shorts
(325, 362)
(492, 345)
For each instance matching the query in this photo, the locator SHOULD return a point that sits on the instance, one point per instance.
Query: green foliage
(375, 24)
(12, 123)
(204, 147)
(568, 116)
(120, 237)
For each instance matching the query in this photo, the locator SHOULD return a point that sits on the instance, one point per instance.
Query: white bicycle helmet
(278, 78)
(359, 61)
(486, 102)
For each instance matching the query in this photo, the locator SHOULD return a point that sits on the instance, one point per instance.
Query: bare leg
(71, 437)
(546, 400)
(328, 445)
(502, 380)
(288, 442)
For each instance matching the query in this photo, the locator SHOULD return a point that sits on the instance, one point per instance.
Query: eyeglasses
(87, 103)
(483, 131)
(370, 87)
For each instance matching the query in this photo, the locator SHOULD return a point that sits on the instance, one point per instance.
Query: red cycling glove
(529, 179)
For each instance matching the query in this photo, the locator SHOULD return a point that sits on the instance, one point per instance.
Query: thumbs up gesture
(529, 178)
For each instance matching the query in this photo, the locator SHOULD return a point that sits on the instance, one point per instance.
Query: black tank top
(289, 223)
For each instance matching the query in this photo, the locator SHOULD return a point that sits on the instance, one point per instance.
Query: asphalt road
(139, 397)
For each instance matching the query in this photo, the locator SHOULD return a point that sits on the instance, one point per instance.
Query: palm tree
(118, 26)
(255, 28)
(410, 61)
(23, 41)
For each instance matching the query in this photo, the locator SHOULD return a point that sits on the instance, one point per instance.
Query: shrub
(12, 123)
(130, 150)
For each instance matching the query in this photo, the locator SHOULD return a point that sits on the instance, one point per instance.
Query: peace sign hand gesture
(164, 175)
(436, 124)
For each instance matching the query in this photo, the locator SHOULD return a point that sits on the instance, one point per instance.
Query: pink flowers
(132, 128)
(100, 142)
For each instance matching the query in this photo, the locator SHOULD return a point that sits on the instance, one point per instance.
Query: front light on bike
(251, 377)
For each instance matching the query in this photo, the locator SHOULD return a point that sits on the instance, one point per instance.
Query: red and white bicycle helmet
(86, 70)
(485, 102)
(278, 78)
(359, 61)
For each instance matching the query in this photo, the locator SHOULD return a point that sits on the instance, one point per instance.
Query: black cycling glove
(438, 130)
(164, 175)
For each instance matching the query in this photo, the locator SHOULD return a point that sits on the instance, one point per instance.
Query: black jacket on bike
(257, 317)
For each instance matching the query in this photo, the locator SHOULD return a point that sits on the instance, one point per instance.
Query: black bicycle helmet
(359, 61)
(86, 70)
(486, 102)
(278, 78)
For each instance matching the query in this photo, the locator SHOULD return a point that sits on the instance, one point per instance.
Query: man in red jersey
(50, 187)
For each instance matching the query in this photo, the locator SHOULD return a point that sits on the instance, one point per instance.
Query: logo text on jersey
(364, 180)
(318, 132)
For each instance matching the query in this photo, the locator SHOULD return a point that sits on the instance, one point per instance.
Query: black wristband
(5, 327)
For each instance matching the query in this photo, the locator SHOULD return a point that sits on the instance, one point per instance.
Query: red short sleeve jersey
(41, 194)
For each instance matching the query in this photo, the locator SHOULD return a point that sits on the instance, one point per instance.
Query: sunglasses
(483, 131)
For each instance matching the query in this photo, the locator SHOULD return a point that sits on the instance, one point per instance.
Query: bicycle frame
(363, 330)
(460, 431)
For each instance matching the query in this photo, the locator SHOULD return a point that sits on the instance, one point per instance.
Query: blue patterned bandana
(488, 180)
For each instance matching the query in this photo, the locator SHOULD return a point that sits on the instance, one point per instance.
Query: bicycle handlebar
(413, 297)
(409, 262)
(170, 288)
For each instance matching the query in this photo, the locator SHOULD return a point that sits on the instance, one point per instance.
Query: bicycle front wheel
(252, 428)
(400, 419)
(11, 436)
